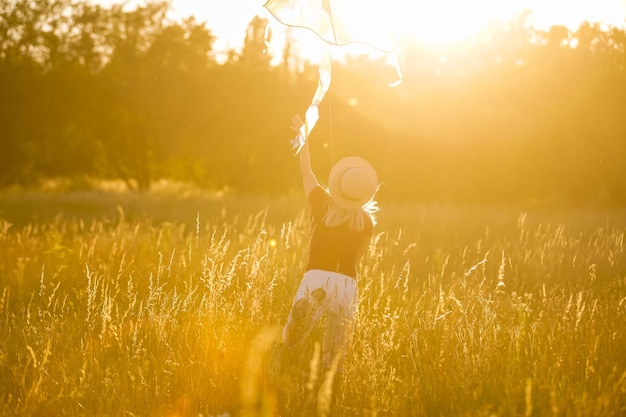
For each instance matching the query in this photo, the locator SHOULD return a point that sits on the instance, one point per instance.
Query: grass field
(122, 304)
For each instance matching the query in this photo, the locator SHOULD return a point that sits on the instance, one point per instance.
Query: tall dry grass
(463, 311)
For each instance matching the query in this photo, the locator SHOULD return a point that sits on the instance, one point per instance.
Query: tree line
(518, 114)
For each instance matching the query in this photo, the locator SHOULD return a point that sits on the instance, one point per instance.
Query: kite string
(330, 128)
(326, 6)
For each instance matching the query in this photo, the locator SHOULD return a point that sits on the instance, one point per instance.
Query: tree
(153, 73)
(254, 53)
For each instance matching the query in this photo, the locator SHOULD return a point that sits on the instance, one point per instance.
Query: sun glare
(451, 21)
(432, 23)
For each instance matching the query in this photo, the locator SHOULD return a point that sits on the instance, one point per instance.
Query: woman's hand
(300, 139)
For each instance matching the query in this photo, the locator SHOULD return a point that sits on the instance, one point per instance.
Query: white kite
(339, 23)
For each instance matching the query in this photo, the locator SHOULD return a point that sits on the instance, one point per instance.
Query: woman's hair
(355, 218)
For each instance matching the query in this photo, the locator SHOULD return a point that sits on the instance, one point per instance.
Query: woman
(342, 222)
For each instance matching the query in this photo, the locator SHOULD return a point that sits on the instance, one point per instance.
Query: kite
(338, 23)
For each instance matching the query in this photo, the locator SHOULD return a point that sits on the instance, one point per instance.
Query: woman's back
(336, 248)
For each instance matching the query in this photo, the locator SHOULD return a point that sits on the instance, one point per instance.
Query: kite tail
(396, 64)
(312, 113)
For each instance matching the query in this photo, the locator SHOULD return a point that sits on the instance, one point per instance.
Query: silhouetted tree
(254, 51)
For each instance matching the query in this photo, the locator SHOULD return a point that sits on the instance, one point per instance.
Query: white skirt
(339, 305)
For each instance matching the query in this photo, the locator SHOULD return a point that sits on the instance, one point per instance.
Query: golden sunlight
(446, 22)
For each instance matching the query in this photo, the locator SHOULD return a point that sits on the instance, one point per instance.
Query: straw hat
(352, 182)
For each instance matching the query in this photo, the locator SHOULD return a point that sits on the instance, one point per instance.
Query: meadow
(170, 304)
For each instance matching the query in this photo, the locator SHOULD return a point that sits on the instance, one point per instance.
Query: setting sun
(451, 20)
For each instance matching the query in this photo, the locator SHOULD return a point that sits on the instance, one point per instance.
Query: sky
(228, 19)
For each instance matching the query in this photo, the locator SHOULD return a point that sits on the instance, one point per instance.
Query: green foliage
(463, 311)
